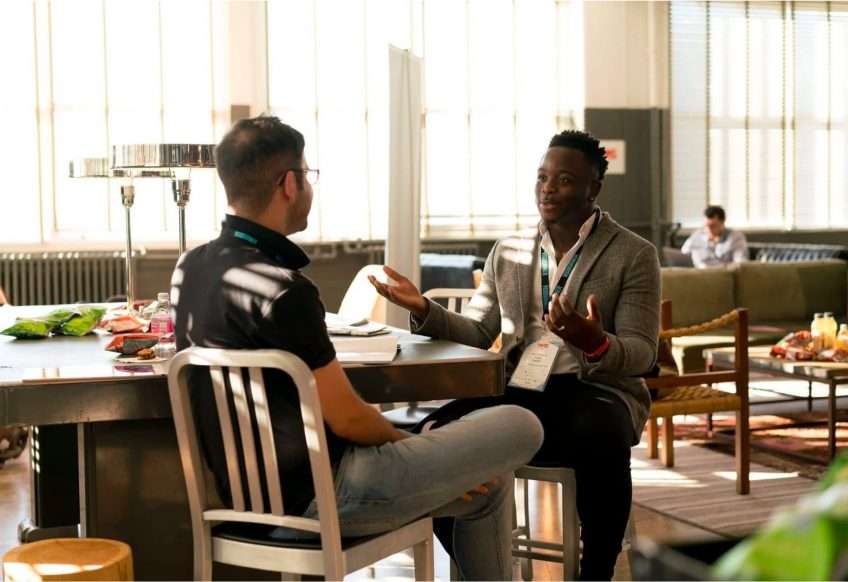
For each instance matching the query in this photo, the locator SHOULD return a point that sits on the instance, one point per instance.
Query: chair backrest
(456, 299)
(739, 374)
(227, 369)
(361, 300)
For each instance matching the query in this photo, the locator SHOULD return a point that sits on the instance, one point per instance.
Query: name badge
(536, 364)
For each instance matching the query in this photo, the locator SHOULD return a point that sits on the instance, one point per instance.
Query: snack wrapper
(130, 343)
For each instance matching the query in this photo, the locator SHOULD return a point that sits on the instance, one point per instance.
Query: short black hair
(586, 143)
(715, 212)
(250, 157)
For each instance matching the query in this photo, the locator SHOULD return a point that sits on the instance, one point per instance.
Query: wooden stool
(69, 559)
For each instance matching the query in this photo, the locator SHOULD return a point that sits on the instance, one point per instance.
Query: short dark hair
(715, 212)
(243, 159)
(586, 143)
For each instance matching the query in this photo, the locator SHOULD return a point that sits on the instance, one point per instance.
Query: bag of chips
(83, 322)
(29, 329)
(77, 321)
(59, 316)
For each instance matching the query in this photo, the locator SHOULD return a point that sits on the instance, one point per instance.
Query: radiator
(51, 278)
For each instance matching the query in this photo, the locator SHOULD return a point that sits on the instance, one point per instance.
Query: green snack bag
(59, 316)
(83, 323)
(29, 329)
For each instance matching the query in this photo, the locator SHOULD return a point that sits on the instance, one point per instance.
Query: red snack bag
(130, 343)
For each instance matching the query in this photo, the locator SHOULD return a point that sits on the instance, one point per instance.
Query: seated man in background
(715, 245)
(245, 290)
(577, 304)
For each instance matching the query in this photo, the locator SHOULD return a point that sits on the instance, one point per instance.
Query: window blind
(758, 98)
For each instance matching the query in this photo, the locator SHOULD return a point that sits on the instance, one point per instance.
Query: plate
(137, 360)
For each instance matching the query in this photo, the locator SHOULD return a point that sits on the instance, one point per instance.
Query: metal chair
(215, 531)
(411, 414)
(523, 546)
(567, 552)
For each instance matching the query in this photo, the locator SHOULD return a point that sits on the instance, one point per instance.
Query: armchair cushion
(698, 295)
(790, 291)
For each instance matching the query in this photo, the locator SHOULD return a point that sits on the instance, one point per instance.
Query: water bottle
(161, 323)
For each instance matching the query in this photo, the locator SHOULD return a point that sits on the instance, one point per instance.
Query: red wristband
(599, 351)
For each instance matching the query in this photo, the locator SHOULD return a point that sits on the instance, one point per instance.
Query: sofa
(781, 297)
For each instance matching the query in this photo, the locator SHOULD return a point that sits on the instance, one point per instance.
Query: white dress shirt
(566, 361)
(732, 247)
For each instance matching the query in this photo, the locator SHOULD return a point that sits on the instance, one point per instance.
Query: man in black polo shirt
(244, 290)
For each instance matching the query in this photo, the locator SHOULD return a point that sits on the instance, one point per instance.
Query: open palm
(402, 292)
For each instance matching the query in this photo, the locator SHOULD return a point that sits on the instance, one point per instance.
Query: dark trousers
(590, 430)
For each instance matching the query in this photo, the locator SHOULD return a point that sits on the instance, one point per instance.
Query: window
(759, 123)
(90, 74)
(499, 82)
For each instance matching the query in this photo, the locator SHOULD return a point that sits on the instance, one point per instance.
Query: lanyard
(255, 242)
(546, 287)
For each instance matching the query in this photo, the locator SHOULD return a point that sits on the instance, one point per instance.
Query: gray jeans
(381, 488)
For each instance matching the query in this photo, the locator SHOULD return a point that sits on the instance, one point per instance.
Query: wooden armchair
(692, 393)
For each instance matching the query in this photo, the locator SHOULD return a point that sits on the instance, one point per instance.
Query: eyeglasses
(311, 175)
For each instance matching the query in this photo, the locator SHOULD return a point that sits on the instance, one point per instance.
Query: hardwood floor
(544, 498)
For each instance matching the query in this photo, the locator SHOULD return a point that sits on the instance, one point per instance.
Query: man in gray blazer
(576, 302)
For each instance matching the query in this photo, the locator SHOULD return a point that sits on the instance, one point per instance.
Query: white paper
(536, 364)
(367, 329)
(376, 350)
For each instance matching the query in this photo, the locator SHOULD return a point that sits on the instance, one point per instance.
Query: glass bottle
(829, 330)
(161, 323)
(816, 331)
(842, 337)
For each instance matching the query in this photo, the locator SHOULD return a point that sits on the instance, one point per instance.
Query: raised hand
(584, 333)
(402, 293)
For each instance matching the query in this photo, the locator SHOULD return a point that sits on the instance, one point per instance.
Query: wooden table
(831, 373)
(130, 480)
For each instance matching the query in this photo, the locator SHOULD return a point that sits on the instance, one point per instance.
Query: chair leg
(667, 451)
(742, 445)
(423, 555)
(203, 554)
(653, 445)
(570, 532)
(809, 396)
(522, 495)
(630, 540)
(710, 424)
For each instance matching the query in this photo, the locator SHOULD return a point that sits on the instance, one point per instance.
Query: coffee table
(831, 373)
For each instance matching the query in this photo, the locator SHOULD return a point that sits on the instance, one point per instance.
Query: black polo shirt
(244, 290)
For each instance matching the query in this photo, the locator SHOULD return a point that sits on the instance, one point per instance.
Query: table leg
(810, 396)
(831, 419)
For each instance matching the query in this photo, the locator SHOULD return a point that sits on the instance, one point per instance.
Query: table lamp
(176, 159)
(100, 168)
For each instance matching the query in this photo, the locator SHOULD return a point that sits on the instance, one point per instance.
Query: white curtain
(403, 243)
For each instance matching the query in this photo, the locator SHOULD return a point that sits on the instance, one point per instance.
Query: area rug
(802, 433)
(701, 489)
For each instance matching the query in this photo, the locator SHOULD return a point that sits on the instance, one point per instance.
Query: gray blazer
(620, 268)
